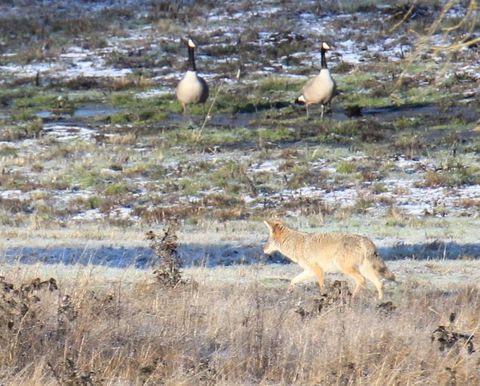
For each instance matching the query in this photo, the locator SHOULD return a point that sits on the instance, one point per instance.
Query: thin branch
(207, 117)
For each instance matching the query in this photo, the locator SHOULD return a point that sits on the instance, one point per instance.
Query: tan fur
(317, 253)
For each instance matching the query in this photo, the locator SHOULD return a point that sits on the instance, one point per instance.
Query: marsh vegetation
(95, 151)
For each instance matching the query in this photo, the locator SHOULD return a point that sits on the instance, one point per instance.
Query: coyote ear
(270, 225)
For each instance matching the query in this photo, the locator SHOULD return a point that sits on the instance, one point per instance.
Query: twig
(424, 41)
(404, 18)
(207, 117)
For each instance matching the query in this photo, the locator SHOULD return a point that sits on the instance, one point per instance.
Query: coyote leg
(319, 274)
(359, 280)
(373, 276)
(301, 278)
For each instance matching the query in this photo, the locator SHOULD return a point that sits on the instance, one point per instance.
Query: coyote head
(273, 244)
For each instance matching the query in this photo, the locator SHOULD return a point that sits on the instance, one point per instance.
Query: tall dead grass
(94, 330)
(441, 36)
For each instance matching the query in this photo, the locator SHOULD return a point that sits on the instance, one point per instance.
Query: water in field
(96, 110)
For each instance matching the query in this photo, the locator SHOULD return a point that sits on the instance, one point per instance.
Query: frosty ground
(95, 152)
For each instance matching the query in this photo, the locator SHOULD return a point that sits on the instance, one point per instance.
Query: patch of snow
(28, 69)
(265, 166)
(153, 93)
(12, 194)
(66, 133)
(92, 68)
(123, 213)
(89, 215)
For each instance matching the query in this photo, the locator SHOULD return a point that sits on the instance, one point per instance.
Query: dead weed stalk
(168, 263)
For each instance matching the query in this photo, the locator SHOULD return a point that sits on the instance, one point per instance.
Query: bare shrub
(446, 338)
(17, 301)
(386, 307)
(68, 374)
(168, 262)
(21, 316)
(336, 295)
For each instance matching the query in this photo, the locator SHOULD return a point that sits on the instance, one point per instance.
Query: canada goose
(192, 88)
(320, 89)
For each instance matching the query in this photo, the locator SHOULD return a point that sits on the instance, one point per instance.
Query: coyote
(354, 255)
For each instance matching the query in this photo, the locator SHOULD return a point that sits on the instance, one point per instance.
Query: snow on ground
(68, 67)
(154, 92)
(400, 189)
(414, 201)
(77, 61)
(67, 133)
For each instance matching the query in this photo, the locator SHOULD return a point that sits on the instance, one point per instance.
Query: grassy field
(91, 131)
(236, 325)
(94, 152)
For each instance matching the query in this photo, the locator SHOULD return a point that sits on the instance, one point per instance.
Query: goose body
(192, 88)
(321, 89)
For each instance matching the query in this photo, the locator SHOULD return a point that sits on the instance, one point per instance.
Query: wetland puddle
(254, 119)
(92, 110)
(383, 114)
(258, 119)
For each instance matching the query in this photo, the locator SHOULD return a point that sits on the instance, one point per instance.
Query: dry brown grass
(123, 139)
(128, 330)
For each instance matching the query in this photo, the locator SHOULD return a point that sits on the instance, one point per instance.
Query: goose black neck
(191, 59)
(324, 59)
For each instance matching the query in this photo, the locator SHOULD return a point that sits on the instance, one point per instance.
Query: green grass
(94, 202)
(192, 186)
(85, 177)
(279, 134)
(115, 189)
(346, 167)
(301, 176)
(7, 151)
(355, 80)
(273, 84)
(231, 177)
